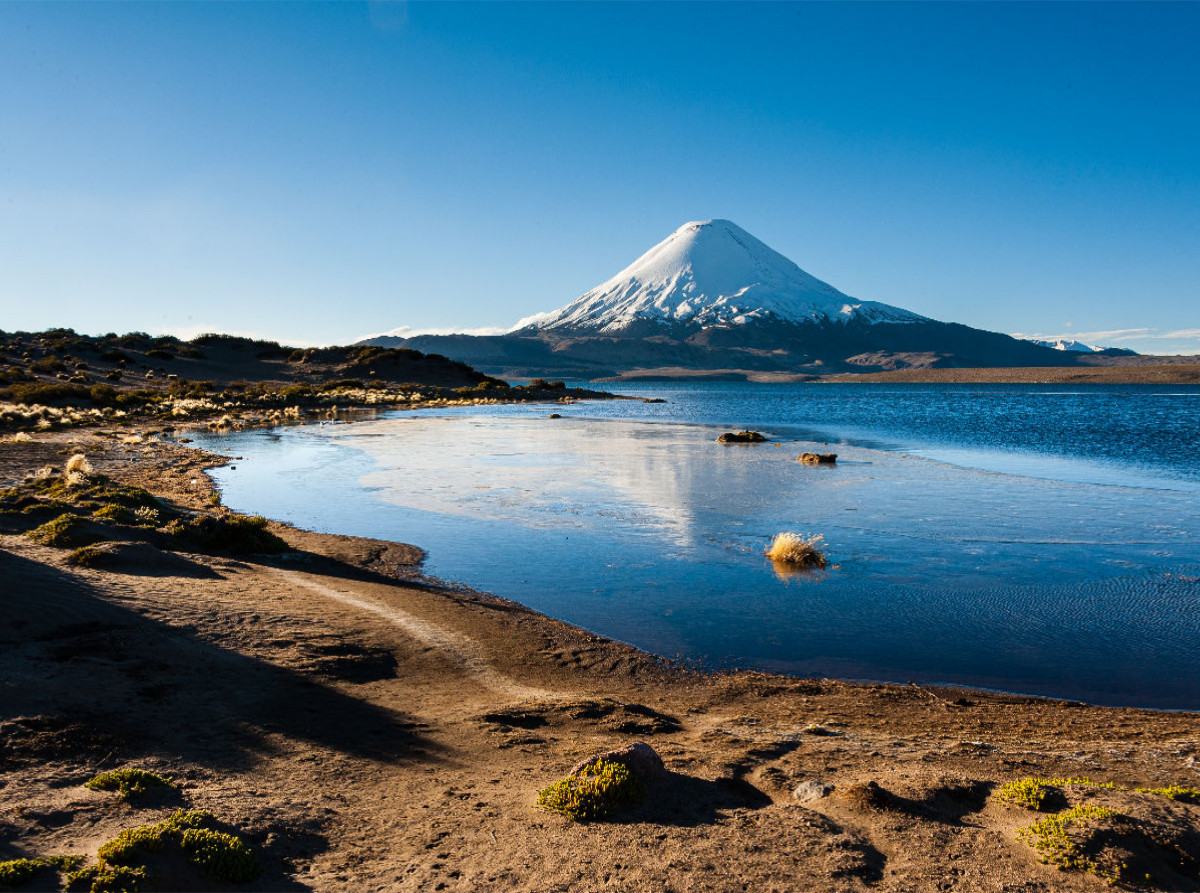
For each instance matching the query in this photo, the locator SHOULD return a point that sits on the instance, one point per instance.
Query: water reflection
(655, 534)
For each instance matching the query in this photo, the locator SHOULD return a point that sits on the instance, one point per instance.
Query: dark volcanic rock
(741, 437)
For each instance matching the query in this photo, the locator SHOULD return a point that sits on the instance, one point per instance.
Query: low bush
(222, 856)
(1054, 840)
(240, 534)
(595, 792)
(64, 532)
(130, 783)
(125, 862)
(90, 557)
(48, 365)
(16, 872)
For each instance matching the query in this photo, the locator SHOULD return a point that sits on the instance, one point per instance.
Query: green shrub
(240, 534)
(221, 855)
(106, 879)
(48, 365)
(1055, 845)
(123, 862)
(129, 782)
(595, 792)
(64, 532)
(16, 872)
(89, 556)
(1174, 792)
(1030, 793)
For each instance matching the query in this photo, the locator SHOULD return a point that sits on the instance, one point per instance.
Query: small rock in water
(555, 415)
(817, 458)
(807, 791)
(741, 437)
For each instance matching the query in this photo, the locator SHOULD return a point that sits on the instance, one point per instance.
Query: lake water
(1025, 538)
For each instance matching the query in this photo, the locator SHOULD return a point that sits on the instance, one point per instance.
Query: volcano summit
(711, 299)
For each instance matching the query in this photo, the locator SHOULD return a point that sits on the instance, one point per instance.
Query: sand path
(461, 649)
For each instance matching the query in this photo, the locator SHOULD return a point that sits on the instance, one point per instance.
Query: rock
(741, 437)
(817, 458)
(639, 758)
(555, 415)
(807, 791)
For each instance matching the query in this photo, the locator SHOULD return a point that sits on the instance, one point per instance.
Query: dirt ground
(367, 729)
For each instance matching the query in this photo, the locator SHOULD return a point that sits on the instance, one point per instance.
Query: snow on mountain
(1069, 344)
(709, 273)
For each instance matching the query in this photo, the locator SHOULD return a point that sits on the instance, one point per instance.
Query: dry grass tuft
(798, 551)
(79, 463)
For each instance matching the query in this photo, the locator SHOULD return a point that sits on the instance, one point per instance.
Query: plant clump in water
(797, 551)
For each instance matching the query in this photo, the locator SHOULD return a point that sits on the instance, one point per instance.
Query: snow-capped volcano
(1069, 344)
(710, 273)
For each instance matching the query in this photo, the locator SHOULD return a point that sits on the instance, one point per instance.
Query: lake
(1037, 539)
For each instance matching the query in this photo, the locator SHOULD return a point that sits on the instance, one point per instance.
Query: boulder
(639, 758)
(807, 791)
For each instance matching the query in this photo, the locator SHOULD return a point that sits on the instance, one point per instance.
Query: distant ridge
(711, 300)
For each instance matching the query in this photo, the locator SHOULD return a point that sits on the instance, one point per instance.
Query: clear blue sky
(319, 172)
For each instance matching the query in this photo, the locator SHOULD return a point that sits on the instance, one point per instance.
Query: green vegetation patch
(90, 556)
(130, 783)
(1058, 841)
(16, 872)
(223, 856)
(1174, 792)
(128, 860)
(595, 792)
(1038, 793)
(64, 532)
(240, 534)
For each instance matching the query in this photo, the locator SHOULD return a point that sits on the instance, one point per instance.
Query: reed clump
(797, 551)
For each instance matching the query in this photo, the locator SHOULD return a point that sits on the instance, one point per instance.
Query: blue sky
(319, 172)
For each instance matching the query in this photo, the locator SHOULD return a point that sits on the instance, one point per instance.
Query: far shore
(365, 727)
(1161, 373)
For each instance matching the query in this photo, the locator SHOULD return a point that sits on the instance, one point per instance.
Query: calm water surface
(1033, 539)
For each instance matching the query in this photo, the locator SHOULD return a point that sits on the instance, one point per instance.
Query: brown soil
(369, 730)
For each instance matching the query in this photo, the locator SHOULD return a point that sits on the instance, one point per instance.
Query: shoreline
(365, 729)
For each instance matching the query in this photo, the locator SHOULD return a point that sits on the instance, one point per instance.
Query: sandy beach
(367, 729)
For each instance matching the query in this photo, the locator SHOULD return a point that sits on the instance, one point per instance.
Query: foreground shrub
(89, 556)
(16, 872)
(241, 534)
(1038, 793)
(129, 783)
(793, 549)
(1054, 840)
(126, 861)
(64, 532)
(594, 792)
(223, 856)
